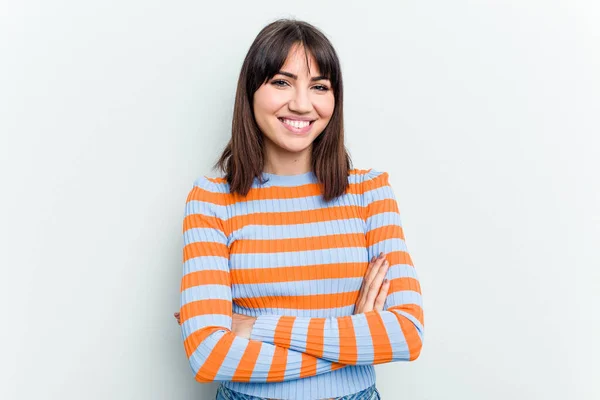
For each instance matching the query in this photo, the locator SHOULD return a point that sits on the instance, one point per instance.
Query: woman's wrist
(242, 325)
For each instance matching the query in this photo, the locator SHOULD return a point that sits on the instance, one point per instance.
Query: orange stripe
(200, 249)
(283, 331)
(296, 217)
(205, 307)
(315, 337)
(377, 182)
(268, 193)
(308, 366)
(413, 309)
(201, 221)
(278, 365)
(400, 284)
(335, 366)
(411, 336)
(308, 302)
(243, 373)
(376, 235)
(213, 362)
(382, 348)
(281, 218)
(382, 206)
(399, 257)
(206, 277)
(303, 244)
(299, 273)
(192, 341)
(348, 350)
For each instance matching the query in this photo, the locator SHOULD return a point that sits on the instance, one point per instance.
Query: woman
(296, 277)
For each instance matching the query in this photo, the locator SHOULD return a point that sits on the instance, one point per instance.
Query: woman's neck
(279, 161)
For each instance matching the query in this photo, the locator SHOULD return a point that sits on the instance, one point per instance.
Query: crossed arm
(387, 324)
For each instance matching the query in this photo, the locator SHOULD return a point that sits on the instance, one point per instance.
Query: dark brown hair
(243, 157)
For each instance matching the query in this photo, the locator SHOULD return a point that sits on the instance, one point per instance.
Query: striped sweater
(284, 255)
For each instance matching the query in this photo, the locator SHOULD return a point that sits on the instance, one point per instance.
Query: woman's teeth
(296, 124)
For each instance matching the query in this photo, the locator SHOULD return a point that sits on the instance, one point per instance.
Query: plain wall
(484, 113)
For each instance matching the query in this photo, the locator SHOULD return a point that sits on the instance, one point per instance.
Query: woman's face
(295, 106)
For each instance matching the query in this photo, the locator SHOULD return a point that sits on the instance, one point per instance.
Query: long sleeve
(375, 337)
(213, 351)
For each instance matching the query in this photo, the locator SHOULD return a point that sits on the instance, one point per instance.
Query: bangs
(271, 54)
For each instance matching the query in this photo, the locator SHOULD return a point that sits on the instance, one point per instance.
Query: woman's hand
(241, 325)
(374, 288)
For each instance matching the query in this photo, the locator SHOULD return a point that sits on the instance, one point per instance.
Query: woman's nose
(300, 102)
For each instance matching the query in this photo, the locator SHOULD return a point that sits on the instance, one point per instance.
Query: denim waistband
(224, 393)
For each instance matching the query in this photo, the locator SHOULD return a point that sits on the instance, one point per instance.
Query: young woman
(296, 276)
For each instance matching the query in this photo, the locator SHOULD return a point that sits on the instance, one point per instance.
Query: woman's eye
(321, 88)
(279, 82)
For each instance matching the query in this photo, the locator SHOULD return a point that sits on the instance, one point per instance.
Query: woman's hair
(243, 158)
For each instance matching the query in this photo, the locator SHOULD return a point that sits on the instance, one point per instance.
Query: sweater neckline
(289, 180)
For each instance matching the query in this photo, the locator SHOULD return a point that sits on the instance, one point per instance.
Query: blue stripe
(232, 360)
(265, 357)
(383, 219)
(296, 288)
(401, 271)
(296, 231)
(202, 321)
(298, 258)
(363, 337)
(300, 330)
(294, 365)
(404, 297)
(206, 209)
(241, 208)
(394, 330)
(317, 313)
(205, 292)
(380, 193)
(331, 342)
(205, 263)
(203, 235)
(224, 187)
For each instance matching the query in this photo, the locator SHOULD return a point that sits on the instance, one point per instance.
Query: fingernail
(381, 255)
(386, 280)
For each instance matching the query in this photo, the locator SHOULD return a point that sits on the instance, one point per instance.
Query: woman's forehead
(301, 62)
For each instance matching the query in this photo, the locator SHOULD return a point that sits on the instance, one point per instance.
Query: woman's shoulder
(209, 183)
(360, 176)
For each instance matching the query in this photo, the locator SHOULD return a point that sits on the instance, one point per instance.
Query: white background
(484, 113)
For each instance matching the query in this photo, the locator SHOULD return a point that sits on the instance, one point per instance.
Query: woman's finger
(372, 272)
(367, 272)
(366, 282)
(370, 267)
(362, 304)
(376, 283)
(380, 300)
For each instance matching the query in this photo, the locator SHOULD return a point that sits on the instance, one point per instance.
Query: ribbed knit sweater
(284, 255)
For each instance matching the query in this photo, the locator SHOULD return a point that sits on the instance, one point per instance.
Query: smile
(296, 126)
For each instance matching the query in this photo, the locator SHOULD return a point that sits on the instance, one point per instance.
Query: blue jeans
(224, 393)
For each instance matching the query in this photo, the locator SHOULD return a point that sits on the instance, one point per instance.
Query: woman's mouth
(296, 126)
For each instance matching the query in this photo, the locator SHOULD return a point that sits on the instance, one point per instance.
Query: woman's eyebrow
(314, 78)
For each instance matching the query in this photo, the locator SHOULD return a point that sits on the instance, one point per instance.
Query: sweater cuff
(263, 329)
